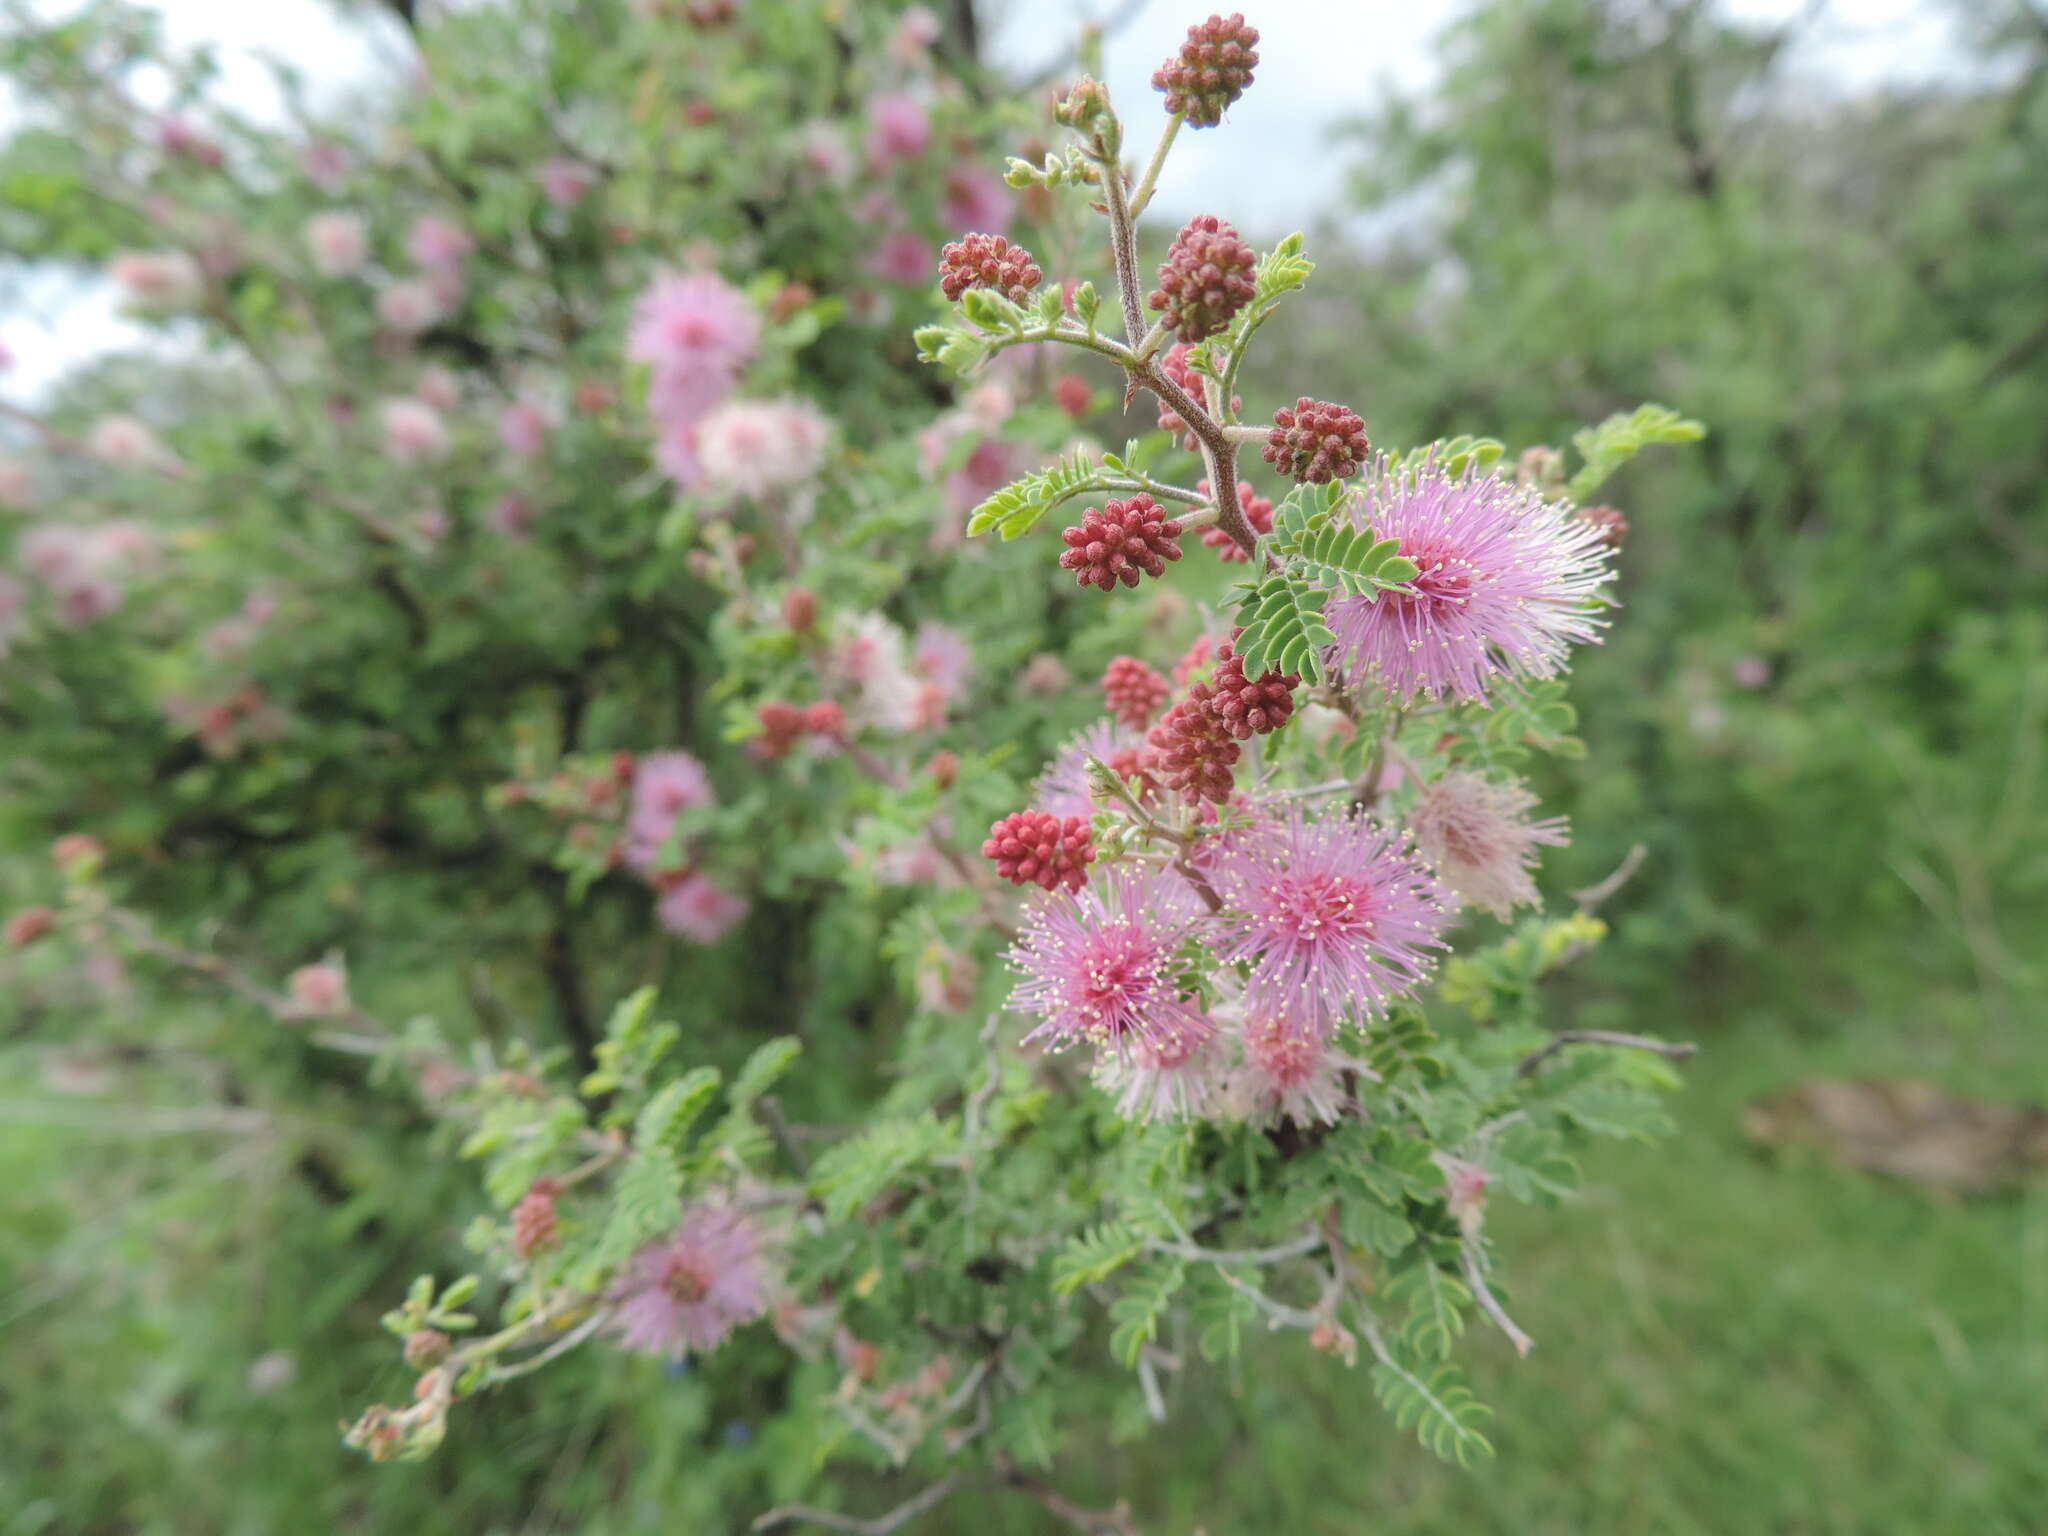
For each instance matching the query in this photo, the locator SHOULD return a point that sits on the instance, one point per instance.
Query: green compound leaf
(1436, 1404)
(1094, 1256)
(1283, 625)
(1619, 438)
(1017, 507)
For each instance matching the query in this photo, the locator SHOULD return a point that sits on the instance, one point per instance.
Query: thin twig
(1490, 1304)
(1672, 1050)
(1592, 896)
(1114, 1521)
(554, 1351)
(877, 1525)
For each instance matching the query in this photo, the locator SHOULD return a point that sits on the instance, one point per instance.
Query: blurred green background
(1823, 715)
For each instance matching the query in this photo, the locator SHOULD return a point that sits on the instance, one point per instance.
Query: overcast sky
(1324, 59)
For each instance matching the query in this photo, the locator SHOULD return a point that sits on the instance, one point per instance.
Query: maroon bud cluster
(1191, 754)
(533, 1219)
(1039, 848)
(988, 261)
(1316, 441)
(1120, 542)
(1174, 364)
(1211, 70)
(1247, 708)
(1206, 277)
(28, 925)
(800, 609)
(1612, 525)
(783, 725)
(1258, 511)
(1133, 692)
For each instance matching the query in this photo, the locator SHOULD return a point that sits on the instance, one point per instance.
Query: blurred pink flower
(903, 258)
(978, 201)
(157, 280)
(408, 307)
(565, 182)
(339, 243)
(689, 1291)
(438, 244)
(899, 127)
(413, 431)
(697, 909)
(523, 429)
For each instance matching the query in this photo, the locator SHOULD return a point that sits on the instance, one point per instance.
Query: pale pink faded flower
(759, 447)
(943, 656)
(1102, 964)
(1465, 1186)
(1044, 676)
(157, 281)
(523, 428)
(129, 444)
(1183, 1077)
(824, 149)
(438, 244)
(337, 243)
(686, 1293)
(992, 464)
(413, 431)
(871, 658)
(1288, 1073)
(408, 306)
(1508, 581)
(326, 164)
(1749, 671)
(1477, 834)
(915, 31)
(699, 909)
(899, 127)
(565, 182)
(176, 136)
(439, 388)
(318, 991)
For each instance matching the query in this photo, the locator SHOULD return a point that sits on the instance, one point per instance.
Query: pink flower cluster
(665, 786)
(695, 332)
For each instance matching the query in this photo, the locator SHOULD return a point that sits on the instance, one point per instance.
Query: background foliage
(1605, 203)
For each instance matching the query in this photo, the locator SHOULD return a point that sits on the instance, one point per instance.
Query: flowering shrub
(600, 606)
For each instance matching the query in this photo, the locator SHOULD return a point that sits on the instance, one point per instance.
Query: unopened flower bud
(426, 1348)
(800, 610)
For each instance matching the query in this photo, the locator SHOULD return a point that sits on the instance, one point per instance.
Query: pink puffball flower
(695, 332)
(413, 431)
(437, 244)
(1477, 835)
(1101, 964)
(978, 200)
(326, 164)
(697, 909)
(902, 258)
(1181, 1078)
(1289, 1074)
(439, 388)
(337, 243)
(127, 444)
(756, 448)
(823, 148)
(408, 307)
(1334, 916)
(157, 281)
(318, 991)
(523, 429)
(913, 35)
(177, 137)
(1506, 583)
(675, 452)
(565, 182)
(689, 1291)
(665, 784)
(899, 127)
(1749, 671)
